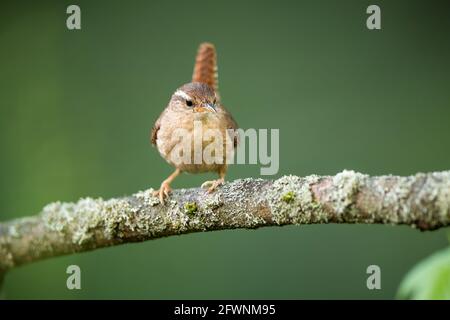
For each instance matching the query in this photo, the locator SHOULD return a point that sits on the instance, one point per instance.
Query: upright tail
(205, 69)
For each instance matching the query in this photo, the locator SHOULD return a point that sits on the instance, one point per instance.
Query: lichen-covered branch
(421, 201)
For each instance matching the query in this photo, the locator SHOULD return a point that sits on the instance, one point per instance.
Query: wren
(199, 101)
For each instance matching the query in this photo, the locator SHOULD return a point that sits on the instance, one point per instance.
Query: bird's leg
(165, 189)
(212, 185)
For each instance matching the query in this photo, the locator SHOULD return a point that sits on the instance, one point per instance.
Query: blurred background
(76, 108)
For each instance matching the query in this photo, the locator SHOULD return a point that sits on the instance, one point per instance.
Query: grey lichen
(301, 207)
(7, 259)
(442, 194)
(345, 186)
(214, 201)
(433, 199)
(75, 219)
(147, 197)
(395, 193)
(83, 219)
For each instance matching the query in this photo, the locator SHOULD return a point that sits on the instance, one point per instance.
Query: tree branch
(421, 201)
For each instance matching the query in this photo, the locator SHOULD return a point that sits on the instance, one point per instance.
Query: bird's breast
(194, 138)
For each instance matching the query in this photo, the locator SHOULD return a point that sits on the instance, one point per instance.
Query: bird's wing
(155, 129)
(231, 124)
(154, 133)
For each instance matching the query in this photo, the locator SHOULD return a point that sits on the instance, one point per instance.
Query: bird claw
(212, 185)
(206, 184)
(163, 192)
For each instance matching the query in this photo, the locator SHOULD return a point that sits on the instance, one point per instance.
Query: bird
(197, 101)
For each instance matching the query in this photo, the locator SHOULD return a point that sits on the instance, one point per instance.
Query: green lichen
(288, 197)
(190, 208)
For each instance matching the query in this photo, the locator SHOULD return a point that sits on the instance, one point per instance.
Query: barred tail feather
(205, 69)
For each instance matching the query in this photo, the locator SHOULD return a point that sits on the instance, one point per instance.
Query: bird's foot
(163, 192)
(212, 185)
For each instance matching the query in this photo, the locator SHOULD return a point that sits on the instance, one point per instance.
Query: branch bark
(421, 201)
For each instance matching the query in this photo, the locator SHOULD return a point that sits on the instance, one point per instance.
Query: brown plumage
(195, 102)
(205, 68)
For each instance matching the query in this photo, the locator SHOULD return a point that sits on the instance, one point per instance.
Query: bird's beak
(210, 107)
(206, 107)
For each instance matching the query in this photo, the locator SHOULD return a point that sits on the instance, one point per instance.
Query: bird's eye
(189, 103)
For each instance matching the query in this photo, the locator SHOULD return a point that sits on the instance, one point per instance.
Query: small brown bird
(192, 102)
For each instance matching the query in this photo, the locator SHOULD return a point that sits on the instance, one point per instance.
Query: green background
(76, 108)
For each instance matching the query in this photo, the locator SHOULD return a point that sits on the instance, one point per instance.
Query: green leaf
(430, 279)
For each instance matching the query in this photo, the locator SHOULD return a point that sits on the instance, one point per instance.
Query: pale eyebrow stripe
(182, 94)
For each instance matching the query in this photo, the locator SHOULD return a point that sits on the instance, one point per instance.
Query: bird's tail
(205, 69)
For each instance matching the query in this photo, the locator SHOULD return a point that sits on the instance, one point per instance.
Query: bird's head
(195, 97)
